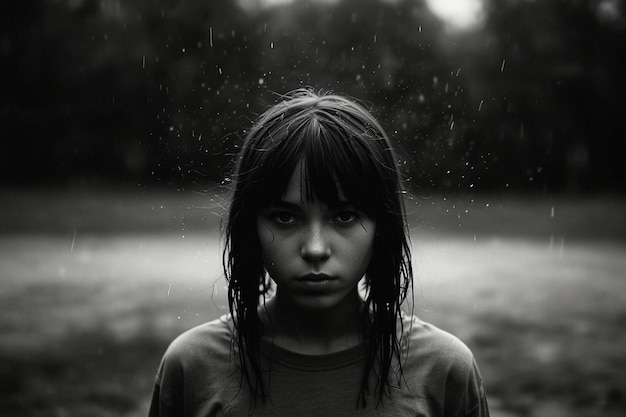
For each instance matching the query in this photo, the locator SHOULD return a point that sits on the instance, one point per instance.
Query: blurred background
(120, 122)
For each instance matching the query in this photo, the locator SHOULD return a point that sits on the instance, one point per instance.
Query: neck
(314, 332)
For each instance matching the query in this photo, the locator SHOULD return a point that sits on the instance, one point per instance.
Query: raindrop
(73, 241)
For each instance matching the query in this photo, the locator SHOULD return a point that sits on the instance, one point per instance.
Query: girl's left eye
(345, 217)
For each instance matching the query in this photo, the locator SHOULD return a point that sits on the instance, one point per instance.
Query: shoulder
(428, 351)
(428, 341)
(439, 366)
(211, 340)
(194, 366)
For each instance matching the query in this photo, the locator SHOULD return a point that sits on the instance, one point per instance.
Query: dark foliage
(161, 91)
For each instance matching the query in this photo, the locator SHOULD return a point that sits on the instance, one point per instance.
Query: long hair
(346, 153)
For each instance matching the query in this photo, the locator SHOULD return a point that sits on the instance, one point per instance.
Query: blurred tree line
(162, 91)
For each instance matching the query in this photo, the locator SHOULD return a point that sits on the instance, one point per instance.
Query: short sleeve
(195, 372)
(167, 396)
(476, 405)
(442, 373)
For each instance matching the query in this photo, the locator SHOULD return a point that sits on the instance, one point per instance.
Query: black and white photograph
(313, 208)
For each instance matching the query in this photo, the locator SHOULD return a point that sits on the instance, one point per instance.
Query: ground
(95, 284)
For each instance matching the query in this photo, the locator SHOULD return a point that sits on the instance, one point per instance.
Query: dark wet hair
(346, 155)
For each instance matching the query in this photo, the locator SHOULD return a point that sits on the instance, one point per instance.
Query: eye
(345, 217)
(284, 218)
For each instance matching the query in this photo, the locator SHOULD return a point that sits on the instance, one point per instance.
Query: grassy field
(94, 285)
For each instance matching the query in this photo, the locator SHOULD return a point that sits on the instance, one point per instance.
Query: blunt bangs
(341, 152)
(338, 168)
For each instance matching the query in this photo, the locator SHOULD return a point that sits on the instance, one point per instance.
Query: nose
(315, 245)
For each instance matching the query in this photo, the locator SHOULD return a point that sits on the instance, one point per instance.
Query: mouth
(316, 278)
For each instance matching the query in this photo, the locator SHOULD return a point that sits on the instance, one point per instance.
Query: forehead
(300, 189)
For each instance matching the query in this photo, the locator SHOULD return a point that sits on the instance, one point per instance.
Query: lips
(316, 278)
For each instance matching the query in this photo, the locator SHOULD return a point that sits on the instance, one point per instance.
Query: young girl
(317, 209)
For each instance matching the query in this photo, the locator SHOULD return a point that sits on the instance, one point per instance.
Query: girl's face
(316, 254)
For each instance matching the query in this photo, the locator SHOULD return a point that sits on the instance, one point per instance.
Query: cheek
(366, 251)
(269, 244)
(364, 245)
(265, 234)
(368, 239)
(262, 227)
(370, 244)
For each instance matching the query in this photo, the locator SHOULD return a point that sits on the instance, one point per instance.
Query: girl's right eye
(284, 218)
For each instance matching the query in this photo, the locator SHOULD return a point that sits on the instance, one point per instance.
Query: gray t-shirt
(199, 377)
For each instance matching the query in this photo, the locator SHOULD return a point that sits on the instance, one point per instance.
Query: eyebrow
(287, 205)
